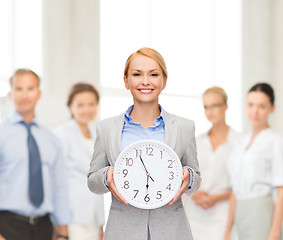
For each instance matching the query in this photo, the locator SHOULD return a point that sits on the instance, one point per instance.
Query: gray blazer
(128, 222)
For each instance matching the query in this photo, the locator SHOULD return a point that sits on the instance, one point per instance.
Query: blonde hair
(148, 52)
(218, 90)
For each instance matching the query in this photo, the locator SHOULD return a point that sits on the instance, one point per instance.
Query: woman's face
(84, 107)
(258, 108)
(214, 107)
(145, 79)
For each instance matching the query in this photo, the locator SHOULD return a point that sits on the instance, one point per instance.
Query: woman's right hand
(112, 186)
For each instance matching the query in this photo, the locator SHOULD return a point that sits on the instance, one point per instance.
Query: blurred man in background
(33, 192)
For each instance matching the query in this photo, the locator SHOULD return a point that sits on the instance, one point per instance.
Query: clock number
(159, 196)
(126, 185)
(137, 191)
(169, 187)
(161, 154)
(129, 162)
(146, 198)
(171, 176)
(125, 172)
(149, 151)
(138, 152)
(171, 162)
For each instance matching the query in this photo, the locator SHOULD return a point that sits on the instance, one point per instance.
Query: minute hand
(146, 169)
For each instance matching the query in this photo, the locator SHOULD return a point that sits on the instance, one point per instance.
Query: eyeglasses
(214, 106)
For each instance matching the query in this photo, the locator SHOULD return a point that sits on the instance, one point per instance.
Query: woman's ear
(126, 83)
(273, 108)
(226, 106)
(164, 83)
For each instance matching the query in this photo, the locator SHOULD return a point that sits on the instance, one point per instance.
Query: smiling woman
(145, 76)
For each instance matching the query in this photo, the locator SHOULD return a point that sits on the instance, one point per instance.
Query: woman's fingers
(112, 187)
(184, 186)
(116, 193)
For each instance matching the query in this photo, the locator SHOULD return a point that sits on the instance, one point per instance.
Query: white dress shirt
(78, 151)
(256, 170)
(211, 223)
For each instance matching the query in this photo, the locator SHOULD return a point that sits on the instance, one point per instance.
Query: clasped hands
(203, 199)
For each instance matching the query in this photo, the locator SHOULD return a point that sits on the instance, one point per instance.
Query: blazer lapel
(171, 130)
(171, 133)
(115, 136)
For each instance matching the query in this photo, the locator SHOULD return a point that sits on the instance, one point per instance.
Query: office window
(21, 40)
(200, 41)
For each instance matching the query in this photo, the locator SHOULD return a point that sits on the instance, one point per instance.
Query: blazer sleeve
(98, 164)
(189, 159)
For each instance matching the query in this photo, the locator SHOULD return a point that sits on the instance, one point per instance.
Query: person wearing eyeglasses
(208, 208)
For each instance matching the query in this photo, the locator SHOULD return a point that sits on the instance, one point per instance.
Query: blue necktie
(35, 187)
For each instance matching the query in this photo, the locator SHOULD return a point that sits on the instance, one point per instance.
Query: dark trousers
(17, 227)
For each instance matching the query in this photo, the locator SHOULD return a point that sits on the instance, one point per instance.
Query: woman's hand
(276, 227)
(112, 187)
(2, 238)
(184, 186)
(227, 235)
(208, 201)
(276, 237)
(199, 196)
(101, 234)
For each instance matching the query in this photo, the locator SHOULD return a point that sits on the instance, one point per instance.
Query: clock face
(148, 174)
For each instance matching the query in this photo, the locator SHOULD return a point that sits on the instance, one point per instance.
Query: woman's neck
(145, 114)
(219, 129)
(218, 134)
(84, 129)
(257, 129)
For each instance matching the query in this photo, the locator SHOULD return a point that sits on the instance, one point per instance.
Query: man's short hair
(21, 71)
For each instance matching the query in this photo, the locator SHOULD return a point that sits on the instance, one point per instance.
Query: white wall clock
(148, 174)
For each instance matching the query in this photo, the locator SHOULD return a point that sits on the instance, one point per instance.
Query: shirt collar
(157, 121)
(15, 118)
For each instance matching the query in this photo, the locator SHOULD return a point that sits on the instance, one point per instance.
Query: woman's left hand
(184, 186)
(273, 237)
(208, 201)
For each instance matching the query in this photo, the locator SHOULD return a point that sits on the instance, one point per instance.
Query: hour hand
(147, 177)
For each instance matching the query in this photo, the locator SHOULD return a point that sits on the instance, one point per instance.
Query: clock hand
(146, 169)
(147, 177)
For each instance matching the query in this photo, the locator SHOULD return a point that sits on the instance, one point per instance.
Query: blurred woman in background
(77, 139)
(207, 210)
(256, 169)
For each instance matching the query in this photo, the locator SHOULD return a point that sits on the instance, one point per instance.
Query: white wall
(72, 43)
(277, 63)
(71, 54)
(263, 51)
